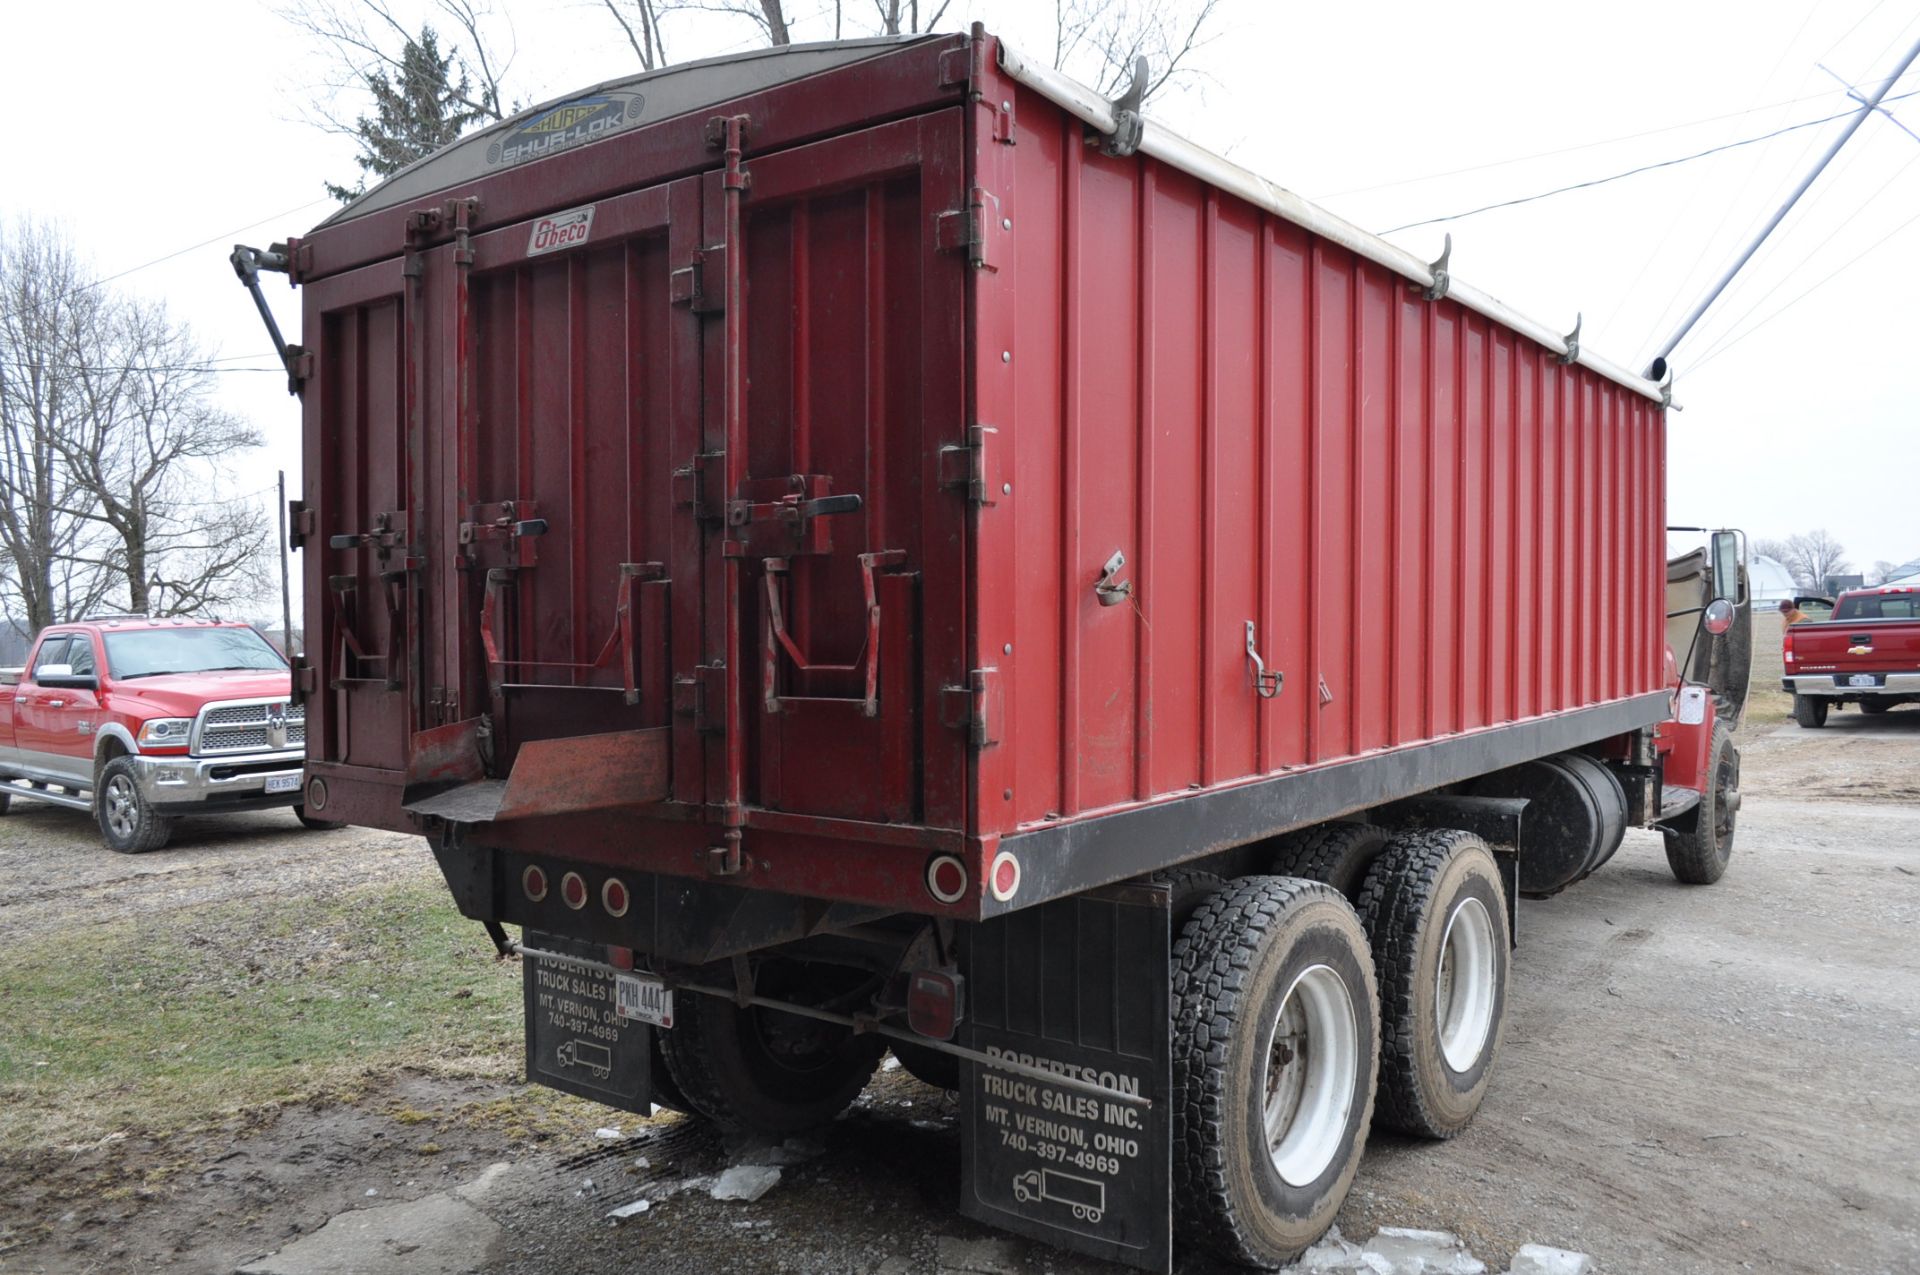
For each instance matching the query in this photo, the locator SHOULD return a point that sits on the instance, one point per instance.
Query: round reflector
(946, 878)
(613, 897)
(1004, 876)
(573, 891)
(317, 795)
(534, 882)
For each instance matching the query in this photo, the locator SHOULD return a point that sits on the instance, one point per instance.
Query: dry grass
(1767, 704)
(149, 1027)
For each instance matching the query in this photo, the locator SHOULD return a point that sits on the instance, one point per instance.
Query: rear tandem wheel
(1275, 1045)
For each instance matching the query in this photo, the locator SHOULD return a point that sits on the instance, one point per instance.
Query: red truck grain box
(805, 535)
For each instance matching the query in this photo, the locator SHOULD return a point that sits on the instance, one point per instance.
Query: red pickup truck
(139, 721)
(1867, 653)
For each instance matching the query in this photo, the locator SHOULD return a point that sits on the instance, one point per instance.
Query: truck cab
(140, 721)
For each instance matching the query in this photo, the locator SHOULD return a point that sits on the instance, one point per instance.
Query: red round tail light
(534, 882)
(573, 891)
(1004, 876)
(946, 878)
(613, 897)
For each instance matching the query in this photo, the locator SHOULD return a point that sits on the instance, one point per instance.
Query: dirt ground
(1692, 1080)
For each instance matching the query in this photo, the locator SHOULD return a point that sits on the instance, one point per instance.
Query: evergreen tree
(426, 107)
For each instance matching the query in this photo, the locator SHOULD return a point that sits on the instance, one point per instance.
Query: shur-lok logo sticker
(561, 230)
(564, 125)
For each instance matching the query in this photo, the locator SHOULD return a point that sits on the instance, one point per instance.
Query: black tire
(1874, 707)
(1189, 888)
(665, 1092)
(1433, 905)
(127, 823)
(762, 1071)
(1810, 711)
(928, 1066)
(6, 802)
(315, 825)
(1337, 853)
(1236, 968)
(1699, 854)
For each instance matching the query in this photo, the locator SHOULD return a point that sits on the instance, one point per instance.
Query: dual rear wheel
(1301, 1020)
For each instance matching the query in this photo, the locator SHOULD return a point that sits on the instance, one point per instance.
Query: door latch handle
(1265, 684)
(56, 703)
(1111, 591)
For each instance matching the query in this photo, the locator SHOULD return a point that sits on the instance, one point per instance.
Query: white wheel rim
(1313, 1061)
(1463, 994)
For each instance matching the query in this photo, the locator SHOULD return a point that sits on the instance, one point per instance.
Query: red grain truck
(870, 545)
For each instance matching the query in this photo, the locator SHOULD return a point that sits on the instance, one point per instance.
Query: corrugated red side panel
(1435, 525)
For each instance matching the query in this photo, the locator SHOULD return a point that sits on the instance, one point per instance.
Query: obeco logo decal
(561, 230)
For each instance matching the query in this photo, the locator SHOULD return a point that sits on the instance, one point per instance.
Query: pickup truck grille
(252, 728)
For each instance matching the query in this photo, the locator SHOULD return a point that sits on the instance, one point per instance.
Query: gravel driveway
(1693, 1079)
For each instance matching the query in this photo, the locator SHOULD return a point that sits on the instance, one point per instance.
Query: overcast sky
(146, 128)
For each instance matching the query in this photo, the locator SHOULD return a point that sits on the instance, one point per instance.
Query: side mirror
(1718, 617)
(62, 677)
(1729, 563)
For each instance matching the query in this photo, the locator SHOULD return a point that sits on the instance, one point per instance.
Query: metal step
(1676, 801)
(23, 788)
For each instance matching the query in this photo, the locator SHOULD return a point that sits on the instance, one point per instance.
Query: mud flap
(575, 1041)
(1077, 987)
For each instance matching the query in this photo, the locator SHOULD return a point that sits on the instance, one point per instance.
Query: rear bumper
(187, 785)
(1833, 684)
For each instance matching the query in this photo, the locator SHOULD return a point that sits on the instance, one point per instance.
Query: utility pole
(1657, 370)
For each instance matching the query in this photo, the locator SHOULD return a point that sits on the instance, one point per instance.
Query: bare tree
(1809, 557)
(46, 308)
(109, 451)
(904, 19)
(142, 452)
(642, 28)
(1882, 572)
(1100, 40)
(360, 37)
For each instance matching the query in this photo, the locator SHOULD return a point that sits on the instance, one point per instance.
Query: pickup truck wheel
(1434, 907)
(127, 823)
(315, 825)
(761, 1071)
(1699, 857)
(1337, 853)
(6, 802)
(1810, 711)
(1275, 1044)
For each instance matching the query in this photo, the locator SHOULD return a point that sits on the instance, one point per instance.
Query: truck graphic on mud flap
(597, 1059)
(1086, 1197)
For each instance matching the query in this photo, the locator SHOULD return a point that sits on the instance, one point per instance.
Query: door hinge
(967, 466)
(971, 228)
(690, 485)
(302, 521)
(306, 679)
(698, 695)
(973, 707)
(299, 366)
(688, 285)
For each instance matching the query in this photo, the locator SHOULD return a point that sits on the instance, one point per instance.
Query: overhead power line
(1724, 346)
(1643, 168)
(222, 237)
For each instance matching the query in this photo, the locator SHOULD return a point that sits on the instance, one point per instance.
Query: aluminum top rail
(1170, 148)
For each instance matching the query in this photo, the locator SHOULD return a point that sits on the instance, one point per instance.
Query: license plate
(1863, 679)
(283, 783)
(644, 998)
